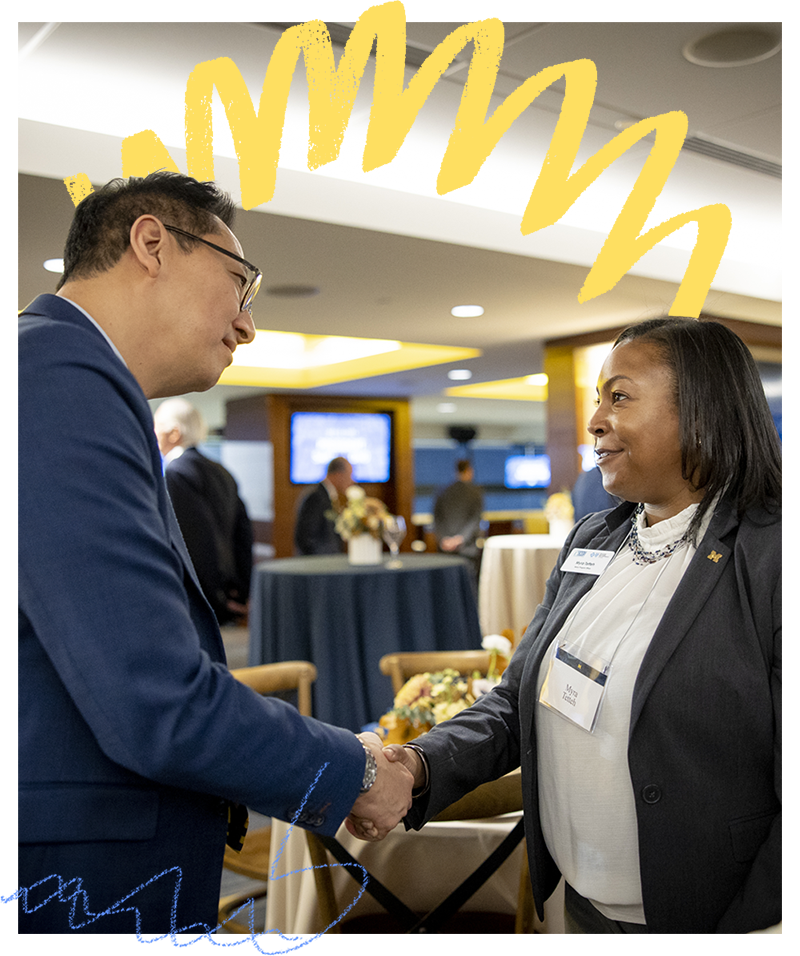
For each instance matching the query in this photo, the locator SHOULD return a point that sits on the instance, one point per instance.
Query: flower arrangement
(425, 700)
(558, 507)
(361, 515)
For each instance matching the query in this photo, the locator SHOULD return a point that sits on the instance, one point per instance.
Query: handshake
(384, 805)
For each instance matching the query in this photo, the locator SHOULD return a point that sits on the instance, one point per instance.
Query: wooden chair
(488, 800)
(252, 861)
(405, 664)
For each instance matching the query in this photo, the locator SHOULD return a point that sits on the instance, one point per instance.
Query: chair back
(283, 676)
(405, 664)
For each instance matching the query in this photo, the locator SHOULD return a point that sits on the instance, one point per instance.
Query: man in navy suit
(212, 517)
(314, 532)
(136, 745)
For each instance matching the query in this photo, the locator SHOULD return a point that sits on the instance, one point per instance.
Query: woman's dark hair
(728, 437)
(100, 230)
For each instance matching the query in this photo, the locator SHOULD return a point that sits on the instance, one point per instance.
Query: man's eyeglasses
(253, 274)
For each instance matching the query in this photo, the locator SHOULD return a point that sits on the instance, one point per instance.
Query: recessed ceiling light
(54, 265)
(540, 378)
(739, 46)
(459, 374)
(466, 311)
(446, 408)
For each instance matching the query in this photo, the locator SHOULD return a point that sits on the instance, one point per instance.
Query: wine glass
(394, 530)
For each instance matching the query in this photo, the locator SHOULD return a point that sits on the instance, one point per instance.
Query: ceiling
(388, 255)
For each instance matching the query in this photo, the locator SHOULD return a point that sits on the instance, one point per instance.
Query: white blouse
(585, 794)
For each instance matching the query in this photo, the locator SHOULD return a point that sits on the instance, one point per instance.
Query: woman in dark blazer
(643, 703)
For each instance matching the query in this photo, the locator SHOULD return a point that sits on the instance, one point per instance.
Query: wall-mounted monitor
(527, 471)
(363, 438)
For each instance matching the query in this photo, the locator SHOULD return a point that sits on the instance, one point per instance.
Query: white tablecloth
(514, 573)
(420, 867)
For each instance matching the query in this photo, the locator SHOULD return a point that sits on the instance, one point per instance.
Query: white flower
(483, 686)
(355, 493)
(496, 642)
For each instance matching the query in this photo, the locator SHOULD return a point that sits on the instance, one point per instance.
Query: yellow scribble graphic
(332, 92)
(147, 155)
(78, 187)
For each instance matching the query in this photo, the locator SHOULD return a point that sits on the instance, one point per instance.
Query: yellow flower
(411, 690)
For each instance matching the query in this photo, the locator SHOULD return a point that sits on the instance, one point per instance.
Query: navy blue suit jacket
(133, 736)
(704, 748)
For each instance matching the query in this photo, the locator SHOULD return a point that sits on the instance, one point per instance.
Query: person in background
(457, 515)
(589, 495)
(211, 515)
(644, 701)
(314, 531)
(138, 749)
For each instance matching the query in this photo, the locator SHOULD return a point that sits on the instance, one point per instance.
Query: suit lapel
(694, 590)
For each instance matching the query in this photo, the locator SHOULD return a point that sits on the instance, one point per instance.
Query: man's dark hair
(462, 465)
(100, 231)
(336, 465)
(729, 441)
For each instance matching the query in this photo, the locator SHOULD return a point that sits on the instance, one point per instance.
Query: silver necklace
(640, 555)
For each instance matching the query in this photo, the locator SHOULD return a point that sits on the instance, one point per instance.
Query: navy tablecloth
(345, 617)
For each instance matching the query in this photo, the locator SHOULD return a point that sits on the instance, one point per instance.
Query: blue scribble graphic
(272, 875)
(80, 915)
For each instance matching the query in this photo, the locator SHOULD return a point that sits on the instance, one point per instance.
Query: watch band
(370, 770)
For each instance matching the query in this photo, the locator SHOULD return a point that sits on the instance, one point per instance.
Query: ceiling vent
(696, 144)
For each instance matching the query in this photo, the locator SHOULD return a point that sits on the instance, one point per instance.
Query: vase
(364, 549)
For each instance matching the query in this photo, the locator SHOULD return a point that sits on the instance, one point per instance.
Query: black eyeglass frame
(253, 282)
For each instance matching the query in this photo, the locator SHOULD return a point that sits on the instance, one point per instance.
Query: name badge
(574, 686)
(587, 562)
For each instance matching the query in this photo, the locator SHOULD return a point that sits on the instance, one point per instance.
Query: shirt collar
(99, 328)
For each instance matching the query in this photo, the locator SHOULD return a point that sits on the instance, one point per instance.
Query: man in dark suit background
(314, 531)
(457, 515)
(136, 744)
(211, 515)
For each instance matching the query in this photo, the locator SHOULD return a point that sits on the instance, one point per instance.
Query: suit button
(651, 793)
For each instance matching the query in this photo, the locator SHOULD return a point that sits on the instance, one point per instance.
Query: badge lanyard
(576, 680)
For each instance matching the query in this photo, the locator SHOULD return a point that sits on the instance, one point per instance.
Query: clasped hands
(384, 805)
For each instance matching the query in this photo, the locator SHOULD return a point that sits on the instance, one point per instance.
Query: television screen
(363, 438)
(527, 471)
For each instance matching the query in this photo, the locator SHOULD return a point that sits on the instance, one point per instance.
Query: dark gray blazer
(215, 528)
(705, 736)
(314, 532)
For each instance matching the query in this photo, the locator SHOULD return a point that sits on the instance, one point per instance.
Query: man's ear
(148, 238)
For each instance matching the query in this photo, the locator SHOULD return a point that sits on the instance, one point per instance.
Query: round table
(344, 618)
(514, 573)
(421, 867)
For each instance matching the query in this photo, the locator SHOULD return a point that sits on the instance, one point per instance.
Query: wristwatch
(370, 770)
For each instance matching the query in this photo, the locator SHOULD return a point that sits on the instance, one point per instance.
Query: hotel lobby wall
(267, 418)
